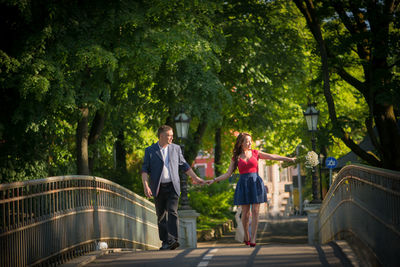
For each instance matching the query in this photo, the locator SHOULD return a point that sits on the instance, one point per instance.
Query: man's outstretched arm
(195, 179)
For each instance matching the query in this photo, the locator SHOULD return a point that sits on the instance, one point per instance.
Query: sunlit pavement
(281, 242)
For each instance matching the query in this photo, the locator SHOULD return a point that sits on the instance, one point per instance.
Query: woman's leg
(245, 221)
(255, 210)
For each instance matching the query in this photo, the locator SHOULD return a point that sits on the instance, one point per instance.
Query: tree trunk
(120, 153)
(217, 152)
(193, 145)
(380, 83)
(374, 52)
(82, 142)
(388, 135)
(331, 105)
(95, 132)
(307, 9)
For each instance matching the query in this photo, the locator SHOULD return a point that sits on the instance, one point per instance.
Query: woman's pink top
(251, 165)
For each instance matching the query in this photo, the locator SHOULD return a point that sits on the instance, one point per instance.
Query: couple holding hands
(160, 177)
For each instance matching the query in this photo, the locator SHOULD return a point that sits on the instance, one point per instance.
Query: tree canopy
(85, 84)
(358, 43)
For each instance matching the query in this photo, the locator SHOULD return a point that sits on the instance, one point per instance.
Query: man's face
(166, 137)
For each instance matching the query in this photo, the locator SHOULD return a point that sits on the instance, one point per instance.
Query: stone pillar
(187, 231)
(313, 223)
(276, 203)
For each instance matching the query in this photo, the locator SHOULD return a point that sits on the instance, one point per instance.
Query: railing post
(188, 228)
(313, 225)
(94, 200)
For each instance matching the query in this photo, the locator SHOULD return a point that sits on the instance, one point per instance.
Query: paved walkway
(281, 242)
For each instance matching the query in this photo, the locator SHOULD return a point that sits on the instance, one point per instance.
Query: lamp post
(182, 122)
(311, 115)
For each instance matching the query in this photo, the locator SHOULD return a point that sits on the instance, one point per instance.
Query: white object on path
(102, 245)
(239, 235)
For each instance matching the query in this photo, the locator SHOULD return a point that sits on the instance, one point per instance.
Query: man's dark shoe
(173, 245)
(165, 246)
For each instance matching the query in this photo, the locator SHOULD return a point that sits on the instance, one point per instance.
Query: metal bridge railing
(364, 202)
(48, 221)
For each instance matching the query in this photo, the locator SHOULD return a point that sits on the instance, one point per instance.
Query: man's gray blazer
(153, 165)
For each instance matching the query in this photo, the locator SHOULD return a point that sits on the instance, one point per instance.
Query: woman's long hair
(237, 149)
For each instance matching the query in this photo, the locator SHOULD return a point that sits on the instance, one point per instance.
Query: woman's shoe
(252, 244)
(247, 243)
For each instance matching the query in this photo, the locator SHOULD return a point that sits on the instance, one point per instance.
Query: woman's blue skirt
(250, 189)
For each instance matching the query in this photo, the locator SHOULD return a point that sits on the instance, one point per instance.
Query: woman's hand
(289, 162)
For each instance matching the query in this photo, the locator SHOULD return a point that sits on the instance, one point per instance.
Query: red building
(204, 164)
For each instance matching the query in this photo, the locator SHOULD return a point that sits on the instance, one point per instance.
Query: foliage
(213, 202)
(355, 45)
(239, 66)
(110, 57)
(258, 68)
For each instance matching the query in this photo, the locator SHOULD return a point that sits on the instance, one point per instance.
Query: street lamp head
(182, 125)
(311, 115)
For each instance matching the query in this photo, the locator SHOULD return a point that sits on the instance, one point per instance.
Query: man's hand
(147, 191)
(195, 178)
(145, 181)
(209, 182)
(198, 180)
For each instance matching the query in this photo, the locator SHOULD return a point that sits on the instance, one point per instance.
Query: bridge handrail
(50, 220)
(363, 202)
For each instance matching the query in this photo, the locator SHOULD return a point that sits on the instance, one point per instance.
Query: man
(162, 162)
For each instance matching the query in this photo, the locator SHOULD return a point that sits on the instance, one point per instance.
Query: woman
(250, 189)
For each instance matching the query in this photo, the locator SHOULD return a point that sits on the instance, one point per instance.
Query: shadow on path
(281, 242)
(291, 230)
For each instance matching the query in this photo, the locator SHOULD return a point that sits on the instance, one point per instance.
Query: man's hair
(163, 129)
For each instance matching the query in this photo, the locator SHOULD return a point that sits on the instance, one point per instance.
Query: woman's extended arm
(264, 155)
(227, 174)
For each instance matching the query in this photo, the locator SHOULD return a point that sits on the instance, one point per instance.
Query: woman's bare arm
(227, 174)
(268, 156)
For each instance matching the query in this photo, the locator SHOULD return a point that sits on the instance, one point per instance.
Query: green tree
(358, 42)
(263, 69)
